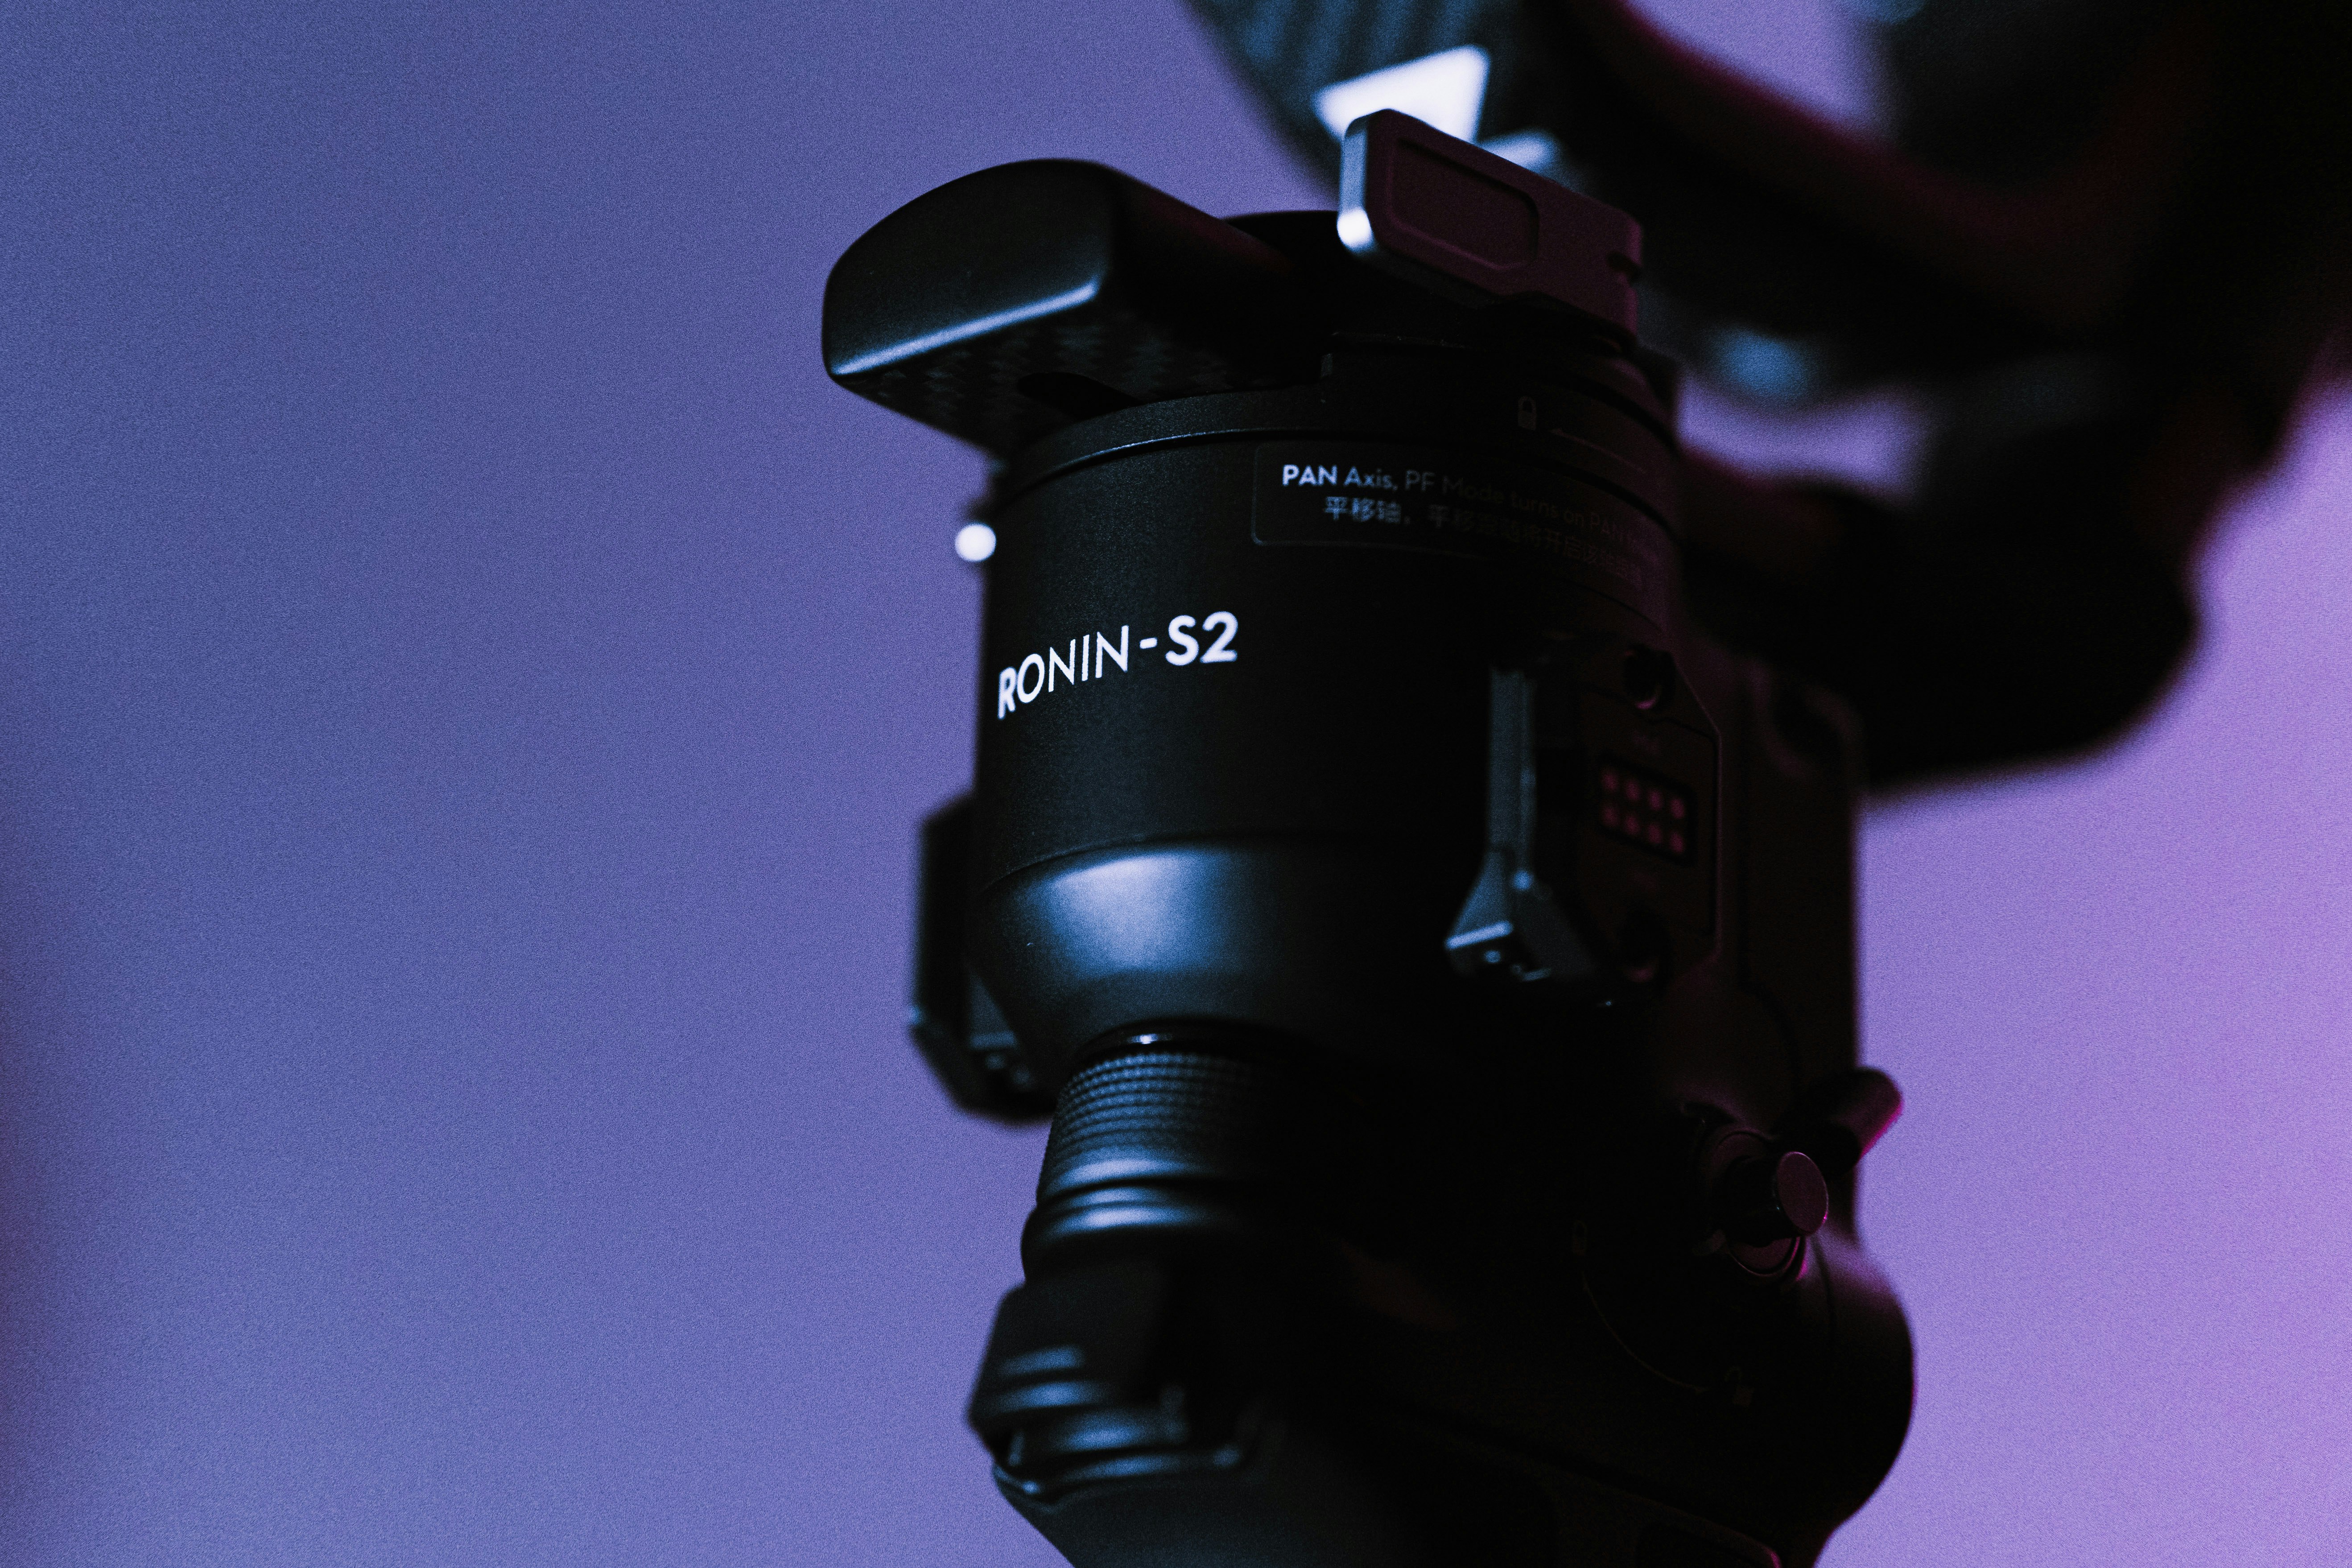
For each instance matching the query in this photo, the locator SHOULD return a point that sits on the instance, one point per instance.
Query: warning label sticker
(1404, 498)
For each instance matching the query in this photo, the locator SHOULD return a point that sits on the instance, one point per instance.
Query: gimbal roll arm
(1761, 209)
(2110, 345)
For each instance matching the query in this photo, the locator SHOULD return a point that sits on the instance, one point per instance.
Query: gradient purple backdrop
(467, 685)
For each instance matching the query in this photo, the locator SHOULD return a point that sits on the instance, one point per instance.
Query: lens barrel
(1167, 1149)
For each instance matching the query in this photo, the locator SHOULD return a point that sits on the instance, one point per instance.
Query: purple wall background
(466, 684)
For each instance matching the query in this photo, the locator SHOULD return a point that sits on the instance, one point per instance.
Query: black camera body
(1435, 952)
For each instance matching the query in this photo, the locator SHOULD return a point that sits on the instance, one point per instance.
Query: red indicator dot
(1675, 842)
(1634, 790)
(1608, 816)
(1609, 778)
(1677, 808)
(1657, 801)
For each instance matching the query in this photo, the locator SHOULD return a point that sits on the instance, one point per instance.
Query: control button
(1774, 1199)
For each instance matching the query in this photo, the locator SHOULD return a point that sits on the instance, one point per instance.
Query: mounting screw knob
(1649, 677)
(1774, 1198)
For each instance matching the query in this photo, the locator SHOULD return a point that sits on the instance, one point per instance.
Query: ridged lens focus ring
(1165, 1144)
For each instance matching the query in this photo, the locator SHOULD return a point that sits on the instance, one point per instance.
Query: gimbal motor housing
(1435, 952)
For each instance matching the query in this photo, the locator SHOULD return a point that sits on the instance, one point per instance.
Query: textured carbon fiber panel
(971, 388)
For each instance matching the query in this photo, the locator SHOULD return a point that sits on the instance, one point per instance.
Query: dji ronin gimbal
(1435, 952)
(1410, 854)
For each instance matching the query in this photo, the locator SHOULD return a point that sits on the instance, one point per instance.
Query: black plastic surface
(1010, 302)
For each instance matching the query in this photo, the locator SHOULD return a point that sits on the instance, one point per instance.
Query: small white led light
(975, 542)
